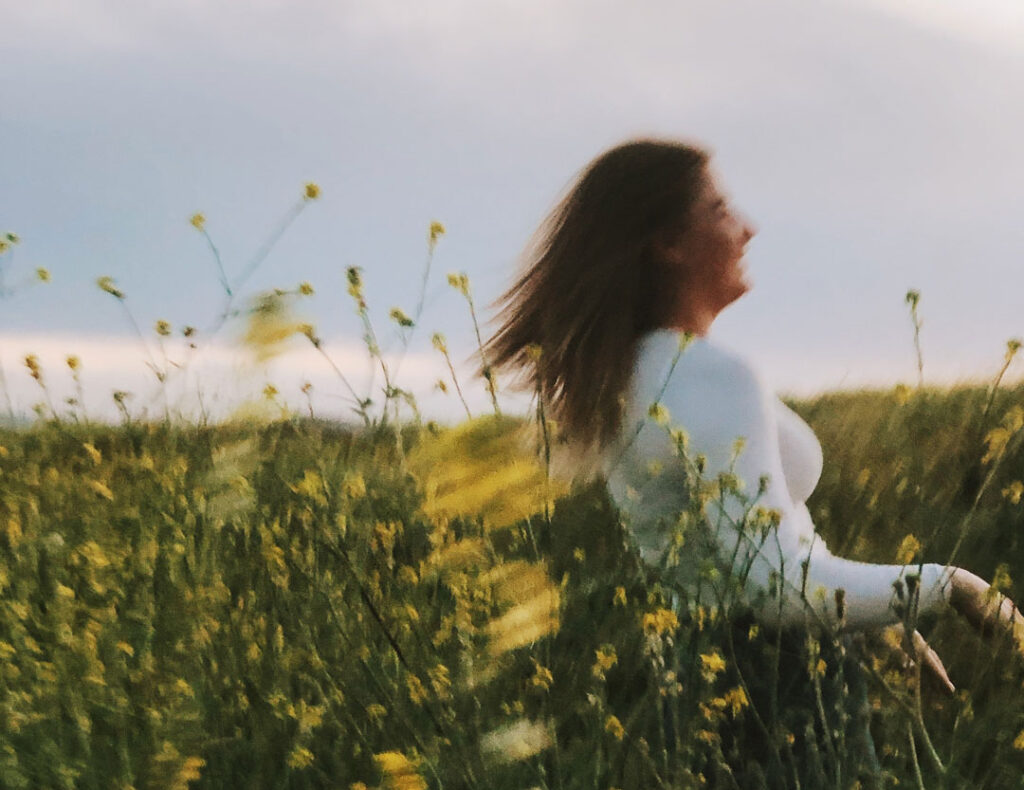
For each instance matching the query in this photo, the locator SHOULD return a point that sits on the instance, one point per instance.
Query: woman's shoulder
(670, 357)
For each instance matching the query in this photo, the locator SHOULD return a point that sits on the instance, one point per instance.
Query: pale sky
(875, 144)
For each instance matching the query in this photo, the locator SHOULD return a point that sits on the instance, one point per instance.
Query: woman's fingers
(926, 655)
(985, 607)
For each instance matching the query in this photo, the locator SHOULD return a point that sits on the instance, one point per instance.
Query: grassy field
(301, 605)
(294, 603)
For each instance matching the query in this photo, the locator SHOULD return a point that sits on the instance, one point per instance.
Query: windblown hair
(593, 286)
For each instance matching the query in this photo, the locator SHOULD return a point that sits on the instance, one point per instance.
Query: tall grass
(300, 604)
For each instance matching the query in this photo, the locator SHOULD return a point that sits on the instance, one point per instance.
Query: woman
(626, 278)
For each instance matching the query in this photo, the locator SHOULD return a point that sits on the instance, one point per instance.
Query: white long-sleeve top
(716, 396)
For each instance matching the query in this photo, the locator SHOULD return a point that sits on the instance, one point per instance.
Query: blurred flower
(12, 237)
(620, 596)
(659, 414)
(100, 489)
(32, 363)
(312, 191)
(542, 677)
(400, 773)
(305, 289)
(438, 341)
(73, 362)
(43, 275)
(436, 231)
(269, 391)
(300, 757)
(94, 454)
(188, 331)
(913, 297)
(517, 741)
(399, 317)
(661, 621)
(1013, 345)
(1014, 492)
(198, 221)
(162, 328)
(907, 550)
(459, 282)
(711, 664)
(614, 726)
(107, 284)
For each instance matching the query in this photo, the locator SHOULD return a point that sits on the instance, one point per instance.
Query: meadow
(296, 602)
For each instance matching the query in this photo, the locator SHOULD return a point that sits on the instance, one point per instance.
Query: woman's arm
(790, 576)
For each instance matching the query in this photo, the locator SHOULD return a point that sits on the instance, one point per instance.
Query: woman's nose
(749, 229)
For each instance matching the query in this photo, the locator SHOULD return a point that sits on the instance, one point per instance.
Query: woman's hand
(985, 608)
(924, 654)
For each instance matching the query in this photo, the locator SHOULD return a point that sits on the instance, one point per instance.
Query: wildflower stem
(455, 381)
(488, 373)
(268, 245)
(220, 265)
(913, 757)
(913, 297)
(1011, 352)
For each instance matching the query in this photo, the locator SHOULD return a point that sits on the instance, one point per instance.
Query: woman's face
(709, 254)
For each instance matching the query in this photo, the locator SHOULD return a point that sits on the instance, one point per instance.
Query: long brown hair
(593, 285)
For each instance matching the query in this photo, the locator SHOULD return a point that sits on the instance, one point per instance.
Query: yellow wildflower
(100, 489)
(606, 657)
(417, 692)
(312, 191)
(43, 275)
(712, 663)
(305, 289)
(908, 550)
(107, 284)
(661, 621)
(94, 454)
(269, 391)
(737, 700)
(198, 221)
(73, 362)
(32, 363)
(1014, 492)
(1018, 742)
(163, 328)
(436, 231)
(400, 773)
(300, 757)
(459, 282)
(620, 596)
(614, 726)
(542, 677)
(399, 317)
(658, 413)
(1013, 345)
